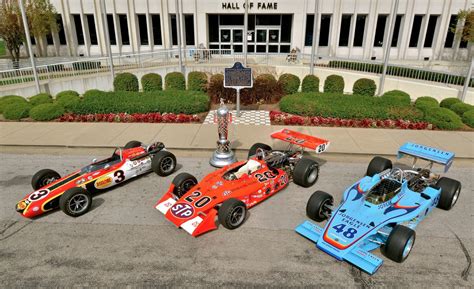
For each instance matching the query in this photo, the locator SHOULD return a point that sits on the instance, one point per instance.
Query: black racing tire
(397, 248)
(163, 163)
(450, 191)
(43, 178)
(183, 182)
(378, 165)
(75, 202)
(306, 173)
(132, 144)
(253, 149)
(232, 214)
(316, 206)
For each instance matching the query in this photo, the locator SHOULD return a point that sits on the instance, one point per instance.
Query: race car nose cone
(20, 206)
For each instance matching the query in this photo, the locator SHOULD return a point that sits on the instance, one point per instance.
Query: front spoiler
(358, 257)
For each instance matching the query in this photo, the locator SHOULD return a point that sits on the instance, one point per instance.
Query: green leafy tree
(41, 16)
(11, 28)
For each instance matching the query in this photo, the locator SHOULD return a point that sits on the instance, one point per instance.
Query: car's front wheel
(319, 205)
(75, 202)
(183, 182)
(44, 177)
(306, 173)
(399, 243)
(163, 163)
(232, 214)
(378, 165)
(132, 144)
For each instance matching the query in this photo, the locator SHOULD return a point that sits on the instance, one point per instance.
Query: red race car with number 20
(227, 193)
(72, 193)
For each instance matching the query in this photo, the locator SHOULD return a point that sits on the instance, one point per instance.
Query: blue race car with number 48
(382, 209)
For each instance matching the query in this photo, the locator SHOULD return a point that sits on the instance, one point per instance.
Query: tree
(11, 28)
(41, 16)
(466, 33)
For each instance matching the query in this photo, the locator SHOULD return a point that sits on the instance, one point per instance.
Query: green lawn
(3, 50)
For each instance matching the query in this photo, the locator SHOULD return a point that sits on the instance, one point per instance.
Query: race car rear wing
(300, 139)
(427, 153)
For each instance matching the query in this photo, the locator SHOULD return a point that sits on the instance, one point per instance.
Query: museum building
(345, 28)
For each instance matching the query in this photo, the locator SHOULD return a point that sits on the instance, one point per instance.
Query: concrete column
(424, 27)
(118, 32)
(370, 29)
(165, 25)
(443, 30)
(99, 24)
(335, 27)
(132, 26)
(85, 30)
(66, 15)
(149, 27)
(352, 29)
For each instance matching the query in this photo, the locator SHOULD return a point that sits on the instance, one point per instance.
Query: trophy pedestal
(222, 159)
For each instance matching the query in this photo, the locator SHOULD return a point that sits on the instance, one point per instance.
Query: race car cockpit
(386, 188)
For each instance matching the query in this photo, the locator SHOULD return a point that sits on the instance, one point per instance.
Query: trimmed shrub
(172, 101)
(197, 81)
(93, 93)
(364, 86)
(341, 106)
(46, 111)
(426, 102)
(125, 82)
(460, 108)
(468, 118)
(41, 98)
(152, 82)
(443, 118)
(397, 96)
(265, 90)
(216, 90)
(9, 99)
(66, 92)
(175, 80)
(334, 84)
(447, 102)
(17, 110)
(290, 83)
(67, 99)
(310, 83)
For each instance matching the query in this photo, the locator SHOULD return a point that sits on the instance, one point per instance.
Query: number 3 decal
(119, 176)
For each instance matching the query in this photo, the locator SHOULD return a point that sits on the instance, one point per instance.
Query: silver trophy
(223, 155)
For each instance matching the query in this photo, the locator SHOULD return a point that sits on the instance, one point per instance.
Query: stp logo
(183, 211)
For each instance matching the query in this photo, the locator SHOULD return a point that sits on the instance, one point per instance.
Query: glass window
(49, 39)
(62, 36)
(232, 19)
(225, 35)
(124, 29)
(286, 23)
(189, 29)
(174, 30)
(78, 26)
(359, 30)
(324, 31)
(238, 48)
(415, 30)
(380, 30)
(448, 43)
(273, 36)
(345, 29)
(213, 25)
(92, 30)
(250, 48)
(237, 35)
(308, 39)
(156, 28)
(261, 35)
(465, 31)
(396, 30)
(268, 19)
(143, 29)
(251, 22)
(430, 30)
(273, 48)
(284, 48)
(111, 26)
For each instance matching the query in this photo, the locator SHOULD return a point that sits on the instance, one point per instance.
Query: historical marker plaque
(238, 77)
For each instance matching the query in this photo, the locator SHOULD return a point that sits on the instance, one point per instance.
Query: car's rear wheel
(44, 177)
(399, 243)
(75, 202)
(306, 173)
(450, 191)
(132, 144)
(378, 165)
(318, 206)
(183, 182)
(254, 148)
(163, 163)
(232, 214)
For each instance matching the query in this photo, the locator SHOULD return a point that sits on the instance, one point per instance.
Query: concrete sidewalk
(204, 136)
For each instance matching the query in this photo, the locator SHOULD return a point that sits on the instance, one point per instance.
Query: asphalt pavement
(124, 242)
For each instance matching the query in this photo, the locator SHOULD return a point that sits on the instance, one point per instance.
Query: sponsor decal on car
(103, 182)
(182, 211)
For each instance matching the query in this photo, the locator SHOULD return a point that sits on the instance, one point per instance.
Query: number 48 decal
(349, 233)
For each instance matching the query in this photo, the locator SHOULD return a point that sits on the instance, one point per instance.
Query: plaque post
(238, 101)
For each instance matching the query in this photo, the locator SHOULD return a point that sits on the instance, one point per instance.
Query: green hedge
(17, 110)
(443, 118)
(41, 98)
(67, 98)
(9, 99)
(399, 96)
(334, 84)
(173, 101)
(289, 83)
(460, 108)
(175, 80)
(93, 94)
(364, 86)
(125, 82)
(468, 118)
(426, 102)
(447, 102)
(342, 106)
(152, 82)
(401, 71)
(46, 111)
(197, 81)
(310, 83)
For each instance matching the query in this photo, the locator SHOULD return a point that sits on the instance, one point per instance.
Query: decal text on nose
(183, 211)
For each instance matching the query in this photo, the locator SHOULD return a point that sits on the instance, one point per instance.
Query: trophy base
(222, 159)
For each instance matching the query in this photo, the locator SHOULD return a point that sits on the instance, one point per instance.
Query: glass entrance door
(267, 40)
(231, 38)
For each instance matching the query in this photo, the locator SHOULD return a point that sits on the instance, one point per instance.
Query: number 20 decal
(349, 233)
(199, 203)
(321, 148)
(265, 176)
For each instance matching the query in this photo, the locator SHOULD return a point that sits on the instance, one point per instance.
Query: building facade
(345, 28)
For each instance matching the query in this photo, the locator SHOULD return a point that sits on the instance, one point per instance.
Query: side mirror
(94, 160)
(106, 167)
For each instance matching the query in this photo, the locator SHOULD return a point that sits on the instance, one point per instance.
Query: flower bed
(282, 118)
(154, 117)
